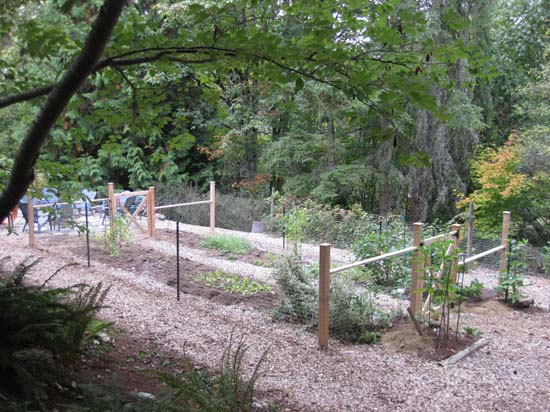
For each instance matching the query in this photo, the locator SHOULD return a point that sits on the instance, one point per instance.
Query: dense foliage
(354, 314)
(377, 104)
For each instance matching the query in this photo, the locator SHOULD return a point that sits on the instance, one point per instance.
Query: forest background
(411, 108)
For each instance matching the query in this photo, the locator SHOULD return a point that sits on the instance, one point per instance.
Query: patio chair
(50, 195)
(41, 217)
(63, 214)
(136, 204)
(89, 195)
(104, 211)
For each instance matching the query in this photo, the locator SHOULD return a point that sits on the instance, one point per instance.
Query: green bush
(354, 316)
(33, 318)
(474, 291)
(227, 244)
(393, 272)
(322, 223)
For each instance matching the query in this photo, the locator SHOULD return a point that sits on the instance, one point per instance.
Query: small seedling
(232, 283)
(472, 331)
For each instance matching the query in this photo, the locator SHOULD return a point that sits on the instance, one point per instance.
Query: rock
(259, 406)
(145, 396)
(129, 407)
(103, 337)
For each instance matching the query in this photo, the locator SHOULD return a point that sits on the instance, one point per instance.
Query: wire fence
(267, 256)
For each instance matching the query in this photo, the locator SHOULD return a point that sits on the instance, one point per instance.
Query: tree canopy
(382, 104)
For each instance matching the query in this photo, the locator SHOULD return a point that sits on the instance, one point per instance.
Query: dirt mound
(404, 338)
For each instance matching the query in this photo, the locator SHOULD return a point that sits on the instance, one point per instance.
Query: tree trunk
(22, 173)
(331, 150)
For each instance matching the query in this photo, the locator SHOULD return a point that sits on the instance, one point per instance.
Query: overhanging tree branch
(22, 173)
(150, 55)
(124, 60)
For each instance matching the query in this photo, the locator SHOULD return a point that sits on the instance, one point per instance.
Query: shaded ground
(510, 374)
(146, 261)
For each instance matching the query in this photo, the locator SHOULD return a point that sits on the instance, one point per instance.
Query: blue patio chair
(41, 217)
(89, 195)
(50, 194)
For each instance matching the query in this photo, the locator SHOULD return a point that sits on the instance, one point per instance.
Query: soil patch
(254, 256)
(146, 261)
(404, 338)
(488, 308)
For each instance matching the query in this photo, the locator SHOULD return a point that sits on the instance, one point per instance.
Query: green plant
(35, 319)
(472, 331)
(512, 280)
(440, 284)
(294, 223)
(369, 337)
(387, 236)
(232, 283)
(227, 391)
(353, 311)
(117, 236)
(474, 291)
(227, 244)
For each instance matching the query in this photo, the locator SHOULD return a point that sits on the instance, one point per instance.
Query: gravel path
(264, 242)
(198, 255)
(510, 374)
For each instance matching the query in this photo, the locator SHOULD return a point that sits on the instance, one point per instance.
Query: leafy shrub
(512, 280)
(324, 223)
(116, 236)
(33, 318)
(473, 292)
(440, 285)
(294, 223)
(227, 244)
(300, 296)
(232, 212)
(394, 272)
(353, 317)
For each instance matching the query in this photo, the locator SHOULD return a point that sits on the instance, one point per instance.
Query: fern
(33, 318)
(227, 391)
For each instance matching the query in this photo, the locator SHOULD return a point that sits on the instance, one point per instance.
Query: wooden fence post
(324, 294)
(504, 242)
(212, 207)
(470, 243)
(112, 204)
(151, 220)
(30, 215)
(417, 274)
(454, 264)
